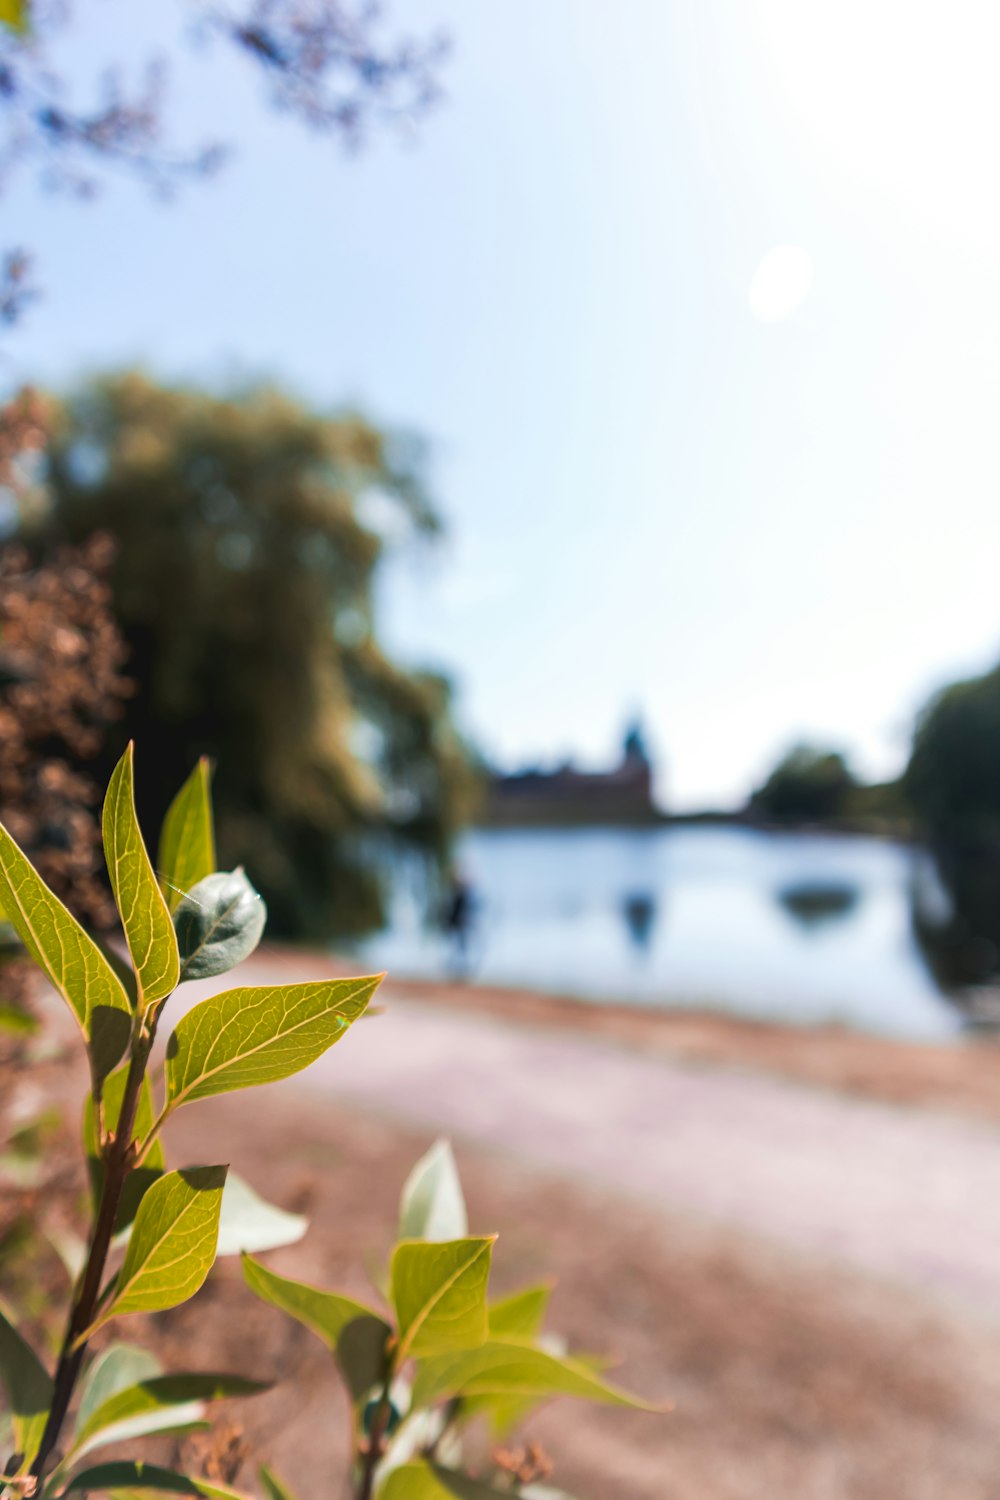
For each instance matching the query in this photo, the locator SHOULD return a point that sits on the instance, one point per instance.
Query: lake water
(791, 927)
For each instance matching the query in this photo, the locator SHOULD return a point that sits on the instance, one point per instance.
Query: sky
(698, 303)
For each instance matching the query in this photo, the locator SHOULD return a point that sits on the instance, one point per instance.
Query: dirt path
(793, 1380)
(907, 1194)
(810, 1275)
(890, 1191)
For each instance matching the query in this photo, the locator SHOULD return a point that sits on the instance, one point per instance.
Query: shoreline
(900, 832)
(957, 1077)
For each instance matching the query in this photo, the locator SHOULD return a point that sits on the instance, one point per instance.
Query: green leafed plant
(439, 1356)
(420, 1370)
(155, 1233)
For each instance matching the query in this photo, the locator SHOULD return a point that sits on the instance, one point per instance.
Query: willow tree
(250, 532)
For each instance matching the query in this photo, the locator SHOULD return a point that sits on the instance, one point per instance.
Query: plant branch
(376, 1440)
(119, 1162)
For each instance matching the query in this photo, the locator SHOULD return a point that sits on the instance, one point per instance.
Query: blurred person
(458, 916)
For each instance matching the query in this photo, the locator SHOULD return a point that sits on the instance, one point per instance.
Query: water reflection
(812, 903)
(956, 921)
(639, 911)
(793, 927)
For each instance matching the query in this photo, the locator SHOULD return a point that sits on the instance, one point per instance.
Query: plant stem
(376, 1446)
(117, 1165)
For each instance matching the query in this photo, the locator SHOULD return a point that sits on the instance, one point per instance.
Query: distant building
(567, 796)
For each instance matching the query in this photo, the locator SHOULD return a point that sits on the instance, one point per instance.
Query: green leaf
(140, 1476)
(159, 1396)
(432, 1206)
(248, 1036)
(28, 1388)
(273, 1487)
(504, 1413)
(521, 1315)
(355, 1334)
(439, 1293)
(14, 13)
(149, 931)
(115, 1369)
(172, 1245)
(71, 960)
(182, 1418)
(186, 853)
(506, 1368)
(219, 923)
(140, 1179)
(122, 968)
(248, 1223)
(427, 1481)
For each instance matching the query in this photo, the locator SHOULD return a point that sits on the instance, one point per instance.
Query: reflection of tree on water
(955, 904)
(813, 903)
(639, 911)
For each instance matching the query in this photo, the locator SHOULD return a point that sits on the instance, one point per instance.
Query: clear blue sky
(754, 521)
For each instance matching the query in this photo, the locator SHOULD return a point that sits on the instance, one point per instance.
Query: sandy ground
(961, 1076)
(812, 1276)
(791, 1378)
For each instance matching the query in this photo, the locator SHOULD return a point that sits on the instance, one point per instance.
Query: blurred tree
(325, 62)
(61, 687)
(956, 917)
(24, 425)
(249, 535)
(807, 786)
(61, 682)
(953, 777)
(953, 784)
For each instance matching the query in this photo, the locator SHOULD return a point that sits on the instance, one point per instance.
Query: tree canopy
(953, 777)
(249, 535)
(808, 785)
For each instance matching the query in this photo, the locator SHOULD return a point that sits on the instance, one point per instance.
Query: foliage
(17, 288)
(951, 778)
(441, 1356)
(951, 781)
(807, 786)
(24, 429)
(324, 62)
(956, 916)
(61, 687)
(419, 1369)
(250, 534)
(881, 807)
